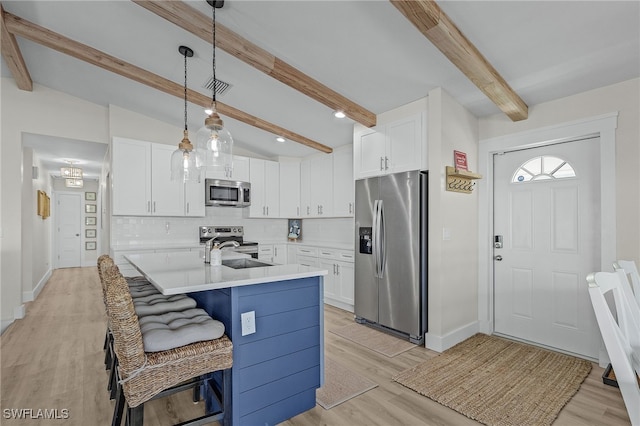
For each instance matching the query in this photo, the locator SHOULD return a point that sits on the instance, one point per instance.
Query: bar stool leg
(135, 415)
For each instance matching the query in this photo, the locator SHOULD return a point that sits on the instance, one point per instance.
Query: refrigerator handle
(383, 244)
(374, 238)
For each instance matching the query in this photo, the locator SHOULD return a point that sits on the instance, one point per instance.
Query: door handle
(498, 258)
(77, 235)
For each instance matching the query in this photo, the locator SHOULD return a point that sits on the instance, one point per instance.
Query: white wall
(622, 97)
(453, 281)
(36, 238)
(47, 112)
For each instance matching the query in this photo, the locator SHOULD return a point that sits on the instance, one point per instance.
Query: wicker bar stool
(144, 376)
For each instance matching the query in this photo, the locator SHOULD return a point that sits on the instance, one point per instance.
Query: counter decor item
(295, 230)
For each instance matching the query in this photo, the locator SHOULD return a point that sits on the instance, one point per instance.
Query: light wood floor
(53, 359)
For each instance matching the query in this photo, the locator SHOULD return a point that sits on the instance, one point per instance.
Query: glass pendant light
(213, 140)
(185, 161)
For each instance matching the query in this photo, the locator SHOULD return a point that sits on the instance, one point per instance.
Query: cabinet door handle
(337, 269)
(154, 206)
(381, 163)
(149, 206)
(267, 210)
(263, 211)
(187, 208)
(334, 269)
(308, 209)
(386, 163)
(297, 211)
(275, 251)
(350, 207)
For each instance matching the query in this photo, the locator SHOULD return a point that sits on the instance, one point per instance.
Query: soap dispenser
(216, 255)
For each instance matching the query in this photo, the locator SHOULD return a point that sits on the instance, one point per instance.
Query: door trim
(603, 126)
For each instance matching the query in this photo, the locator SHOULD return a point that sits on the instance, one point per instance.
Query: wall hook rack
(461, 180)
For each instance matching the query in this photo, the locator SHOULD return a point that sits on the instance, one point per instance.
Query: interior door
(69, 221)
(547, 226)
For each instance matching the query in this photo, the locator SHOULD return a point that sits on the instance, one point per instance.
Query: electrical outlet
(248, 320)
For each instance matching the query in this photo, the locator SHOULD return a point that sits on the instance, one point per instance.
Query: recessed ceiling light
(339, 114)
(280, 139)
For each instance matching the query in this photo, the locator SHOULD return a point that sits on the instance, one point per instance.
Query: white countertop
(185, 272)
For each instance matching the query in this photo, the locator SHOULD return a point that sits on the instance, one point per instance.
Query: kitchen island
(278, 366)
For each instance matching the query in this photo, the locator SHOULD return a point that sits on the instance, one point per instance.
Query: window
(541, 168)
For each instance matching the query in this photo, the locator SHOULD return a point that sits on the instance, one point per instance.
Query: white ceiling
(365, 50)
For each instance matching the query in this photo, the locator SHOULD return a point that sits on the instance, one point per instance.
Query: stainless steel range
(229, 233)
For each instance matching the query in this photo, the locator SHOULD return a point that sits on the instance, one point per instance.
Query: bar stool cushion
(157, 304)
(135, 281)
(142, 291)
(175, 329)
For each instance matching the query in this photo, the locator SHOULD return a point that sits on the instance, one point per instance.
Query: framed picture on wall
(90, 208)
(90, 245)
(90, 196)
(89, 233)
(90, 221)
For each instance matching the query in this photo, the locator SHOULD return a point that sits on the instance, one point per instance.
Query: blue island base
(277, 369)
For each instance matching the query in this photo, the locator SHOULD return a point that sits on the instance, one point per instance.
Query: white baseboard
(30, 296)
(339, 304)
(442, 343)
(4, 324)
(19, 312)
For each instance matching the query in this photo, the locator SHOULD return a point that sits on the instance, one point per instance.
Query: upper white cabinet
(316, 186)
(290, 189)
(265, 188)
(343, 185)
(131, 177)
(142, 185)
(167, 196)
(239, 172)
(398, 146)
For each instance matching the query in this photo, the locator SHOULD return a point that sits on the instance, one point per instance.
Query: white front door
(547, 217)
(69, 225)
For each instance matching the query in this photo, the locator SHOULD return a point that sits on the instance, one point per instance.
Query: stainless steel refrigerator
(391, 253)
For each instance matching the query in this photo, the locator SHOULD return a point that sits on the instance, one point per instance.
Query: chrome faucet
(210, 245)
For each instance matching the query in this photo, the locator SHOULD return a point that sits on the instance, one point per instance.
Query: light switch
(248, 320)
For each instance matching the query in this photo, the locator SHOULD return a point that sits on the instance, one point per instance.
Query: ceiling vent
(222, 87)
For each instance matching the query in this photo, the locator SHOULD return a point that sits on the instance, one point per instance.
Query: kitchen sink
(244, 263)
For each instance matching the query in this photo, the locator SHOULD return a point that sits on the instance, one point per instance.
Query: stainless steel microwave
(227, 193)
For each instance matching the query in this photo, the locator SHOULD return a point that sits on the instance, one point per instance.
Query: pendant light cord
(215, 82)
(185, 90)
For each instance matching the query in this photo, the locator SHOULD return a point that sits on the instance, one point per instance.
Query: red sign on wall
(460, 160)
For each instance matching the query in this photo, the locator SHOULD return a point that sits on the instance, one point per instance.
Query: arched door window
(541, 168)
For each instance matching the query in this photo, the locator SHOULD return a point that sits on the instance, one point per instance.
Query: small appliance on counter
(221, 234)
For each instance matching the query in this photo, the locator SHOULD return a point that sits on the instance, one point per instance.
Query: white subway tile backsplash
(159, 230)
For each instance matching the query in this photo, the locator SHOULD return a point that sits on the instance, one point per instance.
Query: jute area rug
(499, 382)
(340, 385)
(375, 340)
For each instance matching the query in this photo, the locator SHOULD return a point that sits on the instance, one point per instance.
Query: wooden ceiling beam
(191, 20)
(12, 55)
(431, 21)
(18, 26)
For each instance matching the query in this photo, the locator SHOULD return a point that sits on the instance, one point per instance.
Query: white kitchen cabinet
(131, 177)
(280, 254)
(343, 184)
(167, 196)
(305, 194)
(265, 188)
(239, 172)
(290, 189)
(194, 199)
(265, 252)
(316, 186)
(398, 146)
(339, 283)
(142, 185)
